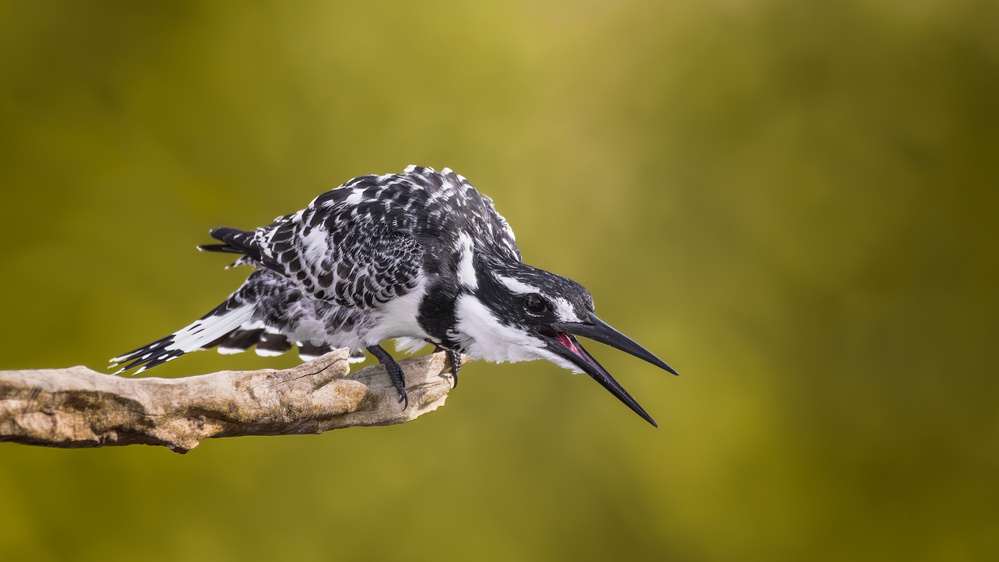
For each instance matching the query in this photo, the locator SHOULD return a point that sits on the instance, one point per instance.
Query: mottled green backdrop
(793, 203)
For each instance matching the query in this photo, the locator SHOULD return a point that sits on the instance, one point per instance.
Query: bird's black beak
(559, 339)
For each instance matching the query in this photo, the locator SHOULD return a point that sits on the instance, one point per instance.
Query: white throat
(483, 336)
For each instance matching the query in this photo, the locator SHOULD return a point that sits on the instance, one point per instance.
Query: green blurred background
(793, 203)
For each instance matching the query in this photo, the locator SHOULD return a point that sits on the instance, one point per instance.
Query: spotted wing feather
(322, 271)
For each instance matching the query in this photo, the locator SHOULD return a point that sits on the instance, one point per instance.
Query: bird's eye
(535, 305)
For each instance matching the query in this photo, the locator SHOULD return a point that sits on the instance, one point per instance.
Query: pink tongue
(569, 343)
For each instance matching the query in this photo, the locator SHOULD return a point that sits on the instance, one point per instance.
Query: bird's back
(333, 273)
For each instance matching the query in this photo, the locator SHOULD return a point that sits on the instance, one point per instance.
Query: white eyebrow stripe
(565, 311)
(517, 286)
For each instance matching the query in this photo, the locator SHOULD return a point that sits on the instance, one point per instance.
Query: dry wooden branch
(77, 407)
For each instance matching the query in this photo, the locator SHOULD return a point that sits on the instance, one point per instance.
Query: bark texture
(78, 407)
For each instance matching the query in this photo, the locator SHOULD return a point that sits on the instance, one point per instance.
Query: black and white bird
(419, 257)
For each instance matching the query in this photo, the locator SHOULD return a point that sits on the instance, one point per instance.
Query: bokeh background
(793, 203)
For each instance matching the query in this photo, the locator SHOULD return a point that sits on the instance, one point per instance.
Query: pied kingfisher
(417, 257)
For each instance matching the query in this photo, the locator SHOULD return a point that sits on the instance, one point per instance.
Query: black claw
(455, 358)
(394, 372)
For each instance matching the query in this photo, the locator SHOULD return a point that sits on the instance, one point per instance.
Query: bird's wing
(451, 206)
(350, 259)
(364, 242)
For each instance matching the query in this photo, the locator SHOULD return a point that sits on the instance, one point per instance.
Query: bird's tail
(233, 326)
(208, 331)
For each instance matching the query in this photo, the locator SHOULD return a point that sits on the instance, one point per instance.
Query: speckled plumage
(326, 274)
(417, 257)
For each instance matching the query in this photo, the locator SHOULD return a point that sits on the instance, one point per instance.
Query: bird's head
(514, 312)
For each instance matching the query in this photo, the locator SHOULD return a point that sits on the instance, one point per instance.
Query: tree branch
(77, 407)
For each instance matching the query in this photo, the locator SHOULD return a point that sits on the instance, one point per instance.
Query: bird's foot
(394, 372)
(454, 359)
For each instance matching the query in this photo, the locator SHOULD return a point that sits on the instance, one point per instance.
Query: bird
(418, 257)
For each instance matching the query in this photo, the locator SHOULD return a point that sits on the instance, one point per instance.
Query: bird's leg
(454, 357)
(394, 372)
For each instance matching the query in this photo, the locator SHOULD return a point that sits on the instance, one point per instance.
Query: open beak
(559, 339)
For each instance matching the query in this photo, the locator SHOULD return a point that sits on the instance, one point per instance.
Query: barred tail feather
(207, 331)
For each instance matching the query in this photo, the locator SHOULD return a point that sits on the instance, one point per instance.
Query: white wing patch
(466, 271)
(315, 245)
(355, 197)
